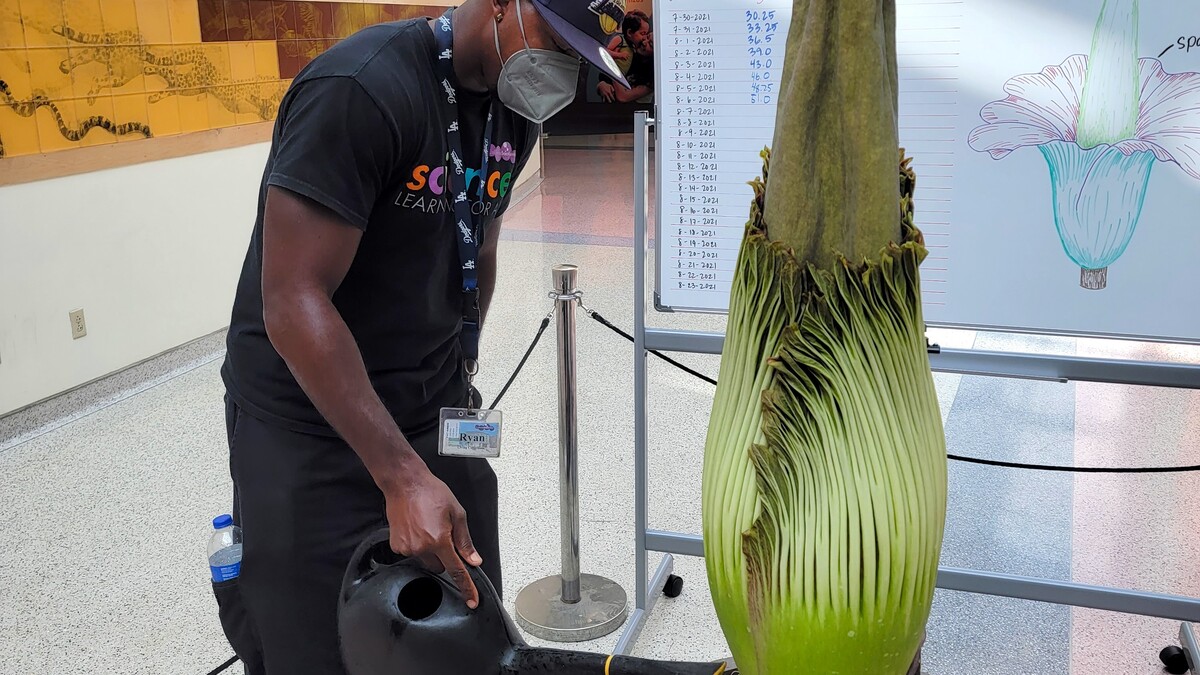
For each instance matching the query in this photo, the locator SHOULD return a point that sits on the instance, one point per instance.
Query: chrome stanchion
(571, 606)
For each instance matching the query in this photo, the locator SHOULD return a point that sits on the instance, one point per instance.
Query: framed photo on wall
(603, 106)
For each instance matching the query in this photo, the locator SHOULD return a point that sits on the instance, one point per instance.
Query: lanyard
(467, 225)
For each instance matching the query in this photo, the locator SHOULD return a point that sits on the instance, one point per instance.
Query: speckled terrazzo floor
(106, 510)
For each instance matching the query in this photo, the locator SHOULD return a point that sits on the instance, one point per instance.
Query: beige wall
(151, 252)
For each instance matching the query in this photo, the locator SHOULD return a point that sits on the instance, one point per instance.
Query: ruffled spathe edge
(1039, 108)
(1168, 117)
(1043, 107)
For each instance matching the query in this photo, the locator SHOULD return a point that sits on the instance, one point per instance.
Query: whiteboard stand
(1187, 639)
(961, 361)
(646, 591)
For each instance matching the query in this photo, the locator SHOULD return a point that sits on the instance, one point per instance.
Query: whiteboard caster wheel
(1174, 660)
(673, 587)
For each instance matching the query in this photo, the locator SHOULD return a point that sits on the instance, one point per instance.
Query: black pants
(304, 503)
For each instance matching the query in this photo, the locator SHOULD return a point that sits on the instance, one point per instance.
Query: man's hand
(426, 522)
(606, 91)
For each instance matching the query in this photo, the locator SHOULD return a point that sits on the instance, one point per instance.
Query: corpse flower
(1100, 121)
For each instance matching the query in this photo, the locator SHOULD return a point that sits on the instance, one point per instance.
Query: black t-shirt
(362, 131)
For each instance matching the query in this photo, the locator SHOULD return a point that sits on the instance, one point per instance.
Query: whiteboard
(1028, 230)
(718, 67)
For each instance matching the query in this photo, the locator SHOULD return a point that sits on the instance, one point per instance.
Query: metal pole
(647, 590)
(568, 436)
(641, 154)
(1191, 652)
(572, 606)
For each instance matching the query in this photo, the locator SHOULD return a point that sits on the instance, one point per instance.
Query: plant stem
(1108, 109)
(836, 133)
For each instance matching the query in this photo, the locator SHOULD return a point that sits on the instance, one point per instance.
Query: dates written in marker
(721, 69)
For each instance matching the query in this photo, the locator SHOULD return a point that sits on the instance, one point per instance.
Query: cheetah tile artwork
(80, 73)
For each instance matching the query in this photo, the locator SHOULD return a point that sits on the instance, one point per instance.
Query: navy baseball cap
(587, 26)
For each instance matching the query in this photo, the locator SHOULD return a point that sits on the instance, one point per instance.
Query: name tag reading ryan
(469, 433)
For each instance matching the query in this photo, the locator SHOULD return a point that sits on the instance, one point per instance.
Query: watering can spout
(394, 616)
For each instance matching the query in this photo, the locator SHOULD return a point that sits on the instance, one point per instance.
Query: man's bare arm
(307, 251)
(624, 95)
(487, 267)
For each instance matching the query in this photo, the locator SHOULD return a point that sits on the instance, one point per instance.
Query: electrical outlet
(78, 324)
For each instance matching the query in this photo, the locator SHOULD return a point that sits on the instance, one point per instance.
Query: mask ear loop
(521, 23)
(496, 33)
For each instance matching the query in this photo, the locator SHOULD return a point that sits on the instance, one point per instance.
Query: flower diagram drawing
(1101, 122)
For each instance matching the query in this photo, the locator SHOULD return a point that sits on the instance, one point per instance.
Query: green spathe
(824, 490)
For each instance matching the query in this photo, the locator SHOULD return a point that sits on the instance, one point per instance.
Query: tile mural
(79, 73)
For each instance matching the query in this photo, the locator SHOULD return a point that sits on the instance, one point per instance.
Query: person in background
(367, 279)
(639, 75)
(634, 30)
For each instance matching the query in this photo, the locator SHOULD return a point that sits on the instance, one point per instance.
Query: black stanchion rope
(603, 321)
(521, 364)
(958, 458)
(224, 666)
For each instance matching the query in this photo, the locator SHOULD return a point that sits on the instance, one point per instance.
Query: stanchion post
(571, 606)
(568, 439)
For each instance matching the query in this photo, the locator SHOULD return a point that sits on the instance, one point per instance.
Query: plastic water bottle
(225, 549)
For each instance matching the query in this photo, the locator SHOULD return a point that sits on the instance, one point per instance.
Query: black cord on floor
(958, 458)
(1076, 469)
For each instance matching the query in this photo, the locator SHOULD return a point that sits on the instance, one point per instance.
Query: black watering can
(397, 618)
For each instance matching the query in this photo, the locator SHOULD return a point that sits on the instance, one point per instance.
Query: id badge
(469, 433)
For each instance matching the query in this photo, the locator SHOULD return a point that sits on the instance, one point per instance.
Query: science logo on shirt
(428, 187)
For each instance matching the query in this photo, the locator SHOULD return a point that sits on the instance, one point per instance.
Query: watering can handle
(375, 550)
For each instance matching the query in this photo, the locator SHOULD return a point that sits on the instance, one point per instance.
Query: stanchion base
(601, 609)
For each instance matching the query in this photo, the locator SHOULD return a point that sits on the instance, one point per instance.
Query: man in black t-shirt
(351, 321)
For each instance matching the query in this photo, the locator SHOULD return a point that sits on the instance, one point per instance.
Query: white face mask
(536, 83)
